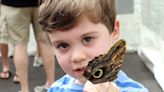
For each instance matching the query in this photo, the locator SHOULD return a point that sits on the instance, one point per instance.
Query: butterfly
(106, 67)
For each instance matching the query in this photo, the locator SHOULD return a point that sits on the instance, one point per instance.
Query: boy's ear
(116, 32)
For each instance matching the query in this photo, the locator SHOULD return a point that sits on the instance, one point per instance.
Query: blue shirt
(125, 84)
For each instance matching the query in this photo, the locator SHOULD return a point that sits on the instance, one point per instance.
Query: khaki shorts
(15, 25)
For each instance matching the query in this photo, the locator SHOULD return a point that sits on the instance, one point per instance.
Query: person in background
(5, 73)
(16, 16)
(37, 58)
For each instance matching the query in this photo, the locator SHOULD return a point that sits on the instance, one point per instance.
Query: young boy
(80, 30)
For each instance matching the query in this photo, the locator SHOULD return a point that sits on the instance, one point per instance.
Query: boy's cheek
(63, 63)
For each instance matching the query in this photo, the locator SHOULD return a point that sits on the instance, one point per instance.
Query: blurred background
(141, 25)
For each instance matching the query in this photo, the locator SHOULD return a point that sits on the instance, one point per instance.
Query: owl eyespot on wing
(105, 67)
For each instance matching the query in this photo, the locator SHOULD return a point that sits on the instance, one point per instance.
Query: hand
(101, 87)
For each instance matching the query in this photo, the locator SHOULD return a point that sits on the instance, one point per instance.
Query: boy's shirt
(125, 84)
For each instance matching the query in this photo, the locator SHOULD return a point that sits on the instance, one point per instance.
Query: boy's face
(75, 47)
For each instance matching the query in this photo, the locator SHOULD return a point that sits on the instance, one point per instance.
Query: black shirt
(20, 3)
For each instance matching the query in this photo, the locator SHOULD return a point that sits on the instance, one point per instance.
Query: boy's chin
(82, 80)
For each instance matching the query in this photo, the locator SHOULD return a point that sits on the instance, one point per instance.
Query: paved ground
(132, 65)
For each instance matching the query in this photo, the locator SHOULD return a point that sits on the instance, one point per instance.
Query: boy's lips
(80, 70)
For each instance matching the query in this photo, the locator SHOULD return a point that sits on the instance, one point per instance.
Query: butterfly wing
(105, 67)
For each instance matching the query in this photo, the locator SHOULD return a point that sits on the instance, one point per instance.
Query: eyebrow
(57, 42)
(89, 33)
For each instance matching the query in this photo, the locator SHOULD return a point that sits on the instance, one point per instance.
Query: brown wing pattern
(105, 67)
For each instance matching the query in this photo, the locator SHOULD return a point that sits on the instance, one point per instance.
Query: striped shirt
(125, 84)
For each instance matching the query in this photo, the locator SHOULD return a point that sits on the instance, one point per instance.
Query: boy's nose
(78, 56)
